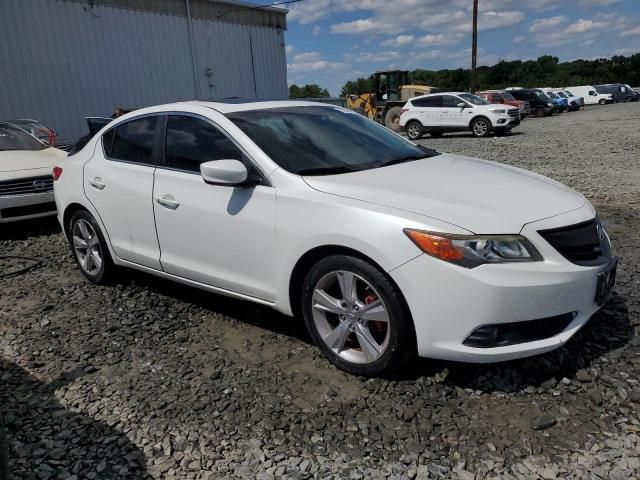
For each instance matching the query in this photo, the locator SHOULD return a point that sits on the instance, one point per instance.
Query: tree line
(545, 71)
(308, 91)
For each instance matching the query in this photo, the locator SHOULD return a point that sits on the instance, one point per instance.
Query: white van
(590, 95)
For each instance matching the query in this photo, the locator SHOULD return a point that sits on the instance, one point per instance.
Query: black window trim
(247, 160)
(154, 153)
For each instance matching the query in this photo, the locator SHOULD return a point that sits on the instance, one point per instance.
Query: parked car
(573, 98)
(635, 96)
(384, 248)
(560, 104)
(26, 183)
(42, 132)
(540, 104)
(618, 92)
(504, 97)
(591, 95)
(438, 113)
(574, 103)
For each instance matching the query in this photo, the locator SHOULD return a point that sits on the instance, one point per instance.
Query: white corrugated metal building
(63, 60)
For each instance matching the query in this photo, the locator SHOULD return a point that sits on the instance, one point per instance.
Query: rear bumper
(23, 207)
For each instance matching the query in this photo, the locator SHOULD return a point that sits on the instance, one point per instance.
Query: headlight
(472, 250)
(497, 111)
(549, 104)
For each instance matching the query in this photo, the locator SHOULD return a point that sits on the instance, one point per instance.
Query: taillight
(57, 171)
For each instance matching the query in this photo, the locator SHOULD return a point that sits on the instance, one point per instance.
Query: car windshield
(561, 94)
(318, 140)
(13, 138)
(568, 93)
(542, 96)
(507, 96)
(551, 95)
(473, 99)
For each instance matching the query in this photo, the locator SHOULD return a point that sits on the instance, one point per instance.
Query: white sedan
(385, 249)
(26, 183)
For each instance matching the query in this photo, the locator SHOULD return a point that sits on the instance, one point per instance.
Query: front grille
(583, 243)
(503, 334)
(25, 210)
(26, 186)
(514, 112)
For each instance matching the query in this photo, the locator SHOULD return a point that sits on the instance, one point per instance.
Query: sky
(331, 41)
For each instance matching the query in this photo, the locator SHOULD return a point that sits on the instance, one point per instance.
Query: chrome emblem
(38, 184)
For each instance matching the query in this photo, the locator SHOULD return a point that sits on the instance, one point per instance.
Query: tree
(308, 91)
(546, 71)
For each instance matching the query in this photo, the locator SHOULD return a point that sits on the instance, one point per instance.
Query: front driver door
(454, 115)
(221, 236)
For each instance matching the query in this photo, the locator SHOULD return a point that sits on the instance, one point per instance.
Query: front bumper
(23, 207)
(449, 302)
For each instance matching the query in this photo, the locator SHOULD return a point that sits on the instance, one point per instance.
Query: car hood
(477, 195)
(19, 160)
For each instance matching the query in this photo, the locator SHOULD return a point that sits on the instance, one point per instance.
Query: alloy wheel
(86, 246)
(413, 131)
(351, 317)
(480, 128)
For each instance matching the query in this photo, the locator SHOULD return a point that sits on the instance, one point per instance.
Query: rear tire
(481, 127)
(89, 248)
(540, 113)
(357, 316)
(414, 130)
(392, 119)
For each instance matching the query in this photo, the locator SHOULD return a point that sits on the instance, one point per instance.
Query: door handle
(168, 201)
(97, 183)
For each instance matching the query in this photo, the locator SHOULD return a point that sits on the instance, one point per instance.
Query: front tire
(481, 127)
(392, 119)
(602, 102)
(89, 248)
(414, 130)
(357, 316)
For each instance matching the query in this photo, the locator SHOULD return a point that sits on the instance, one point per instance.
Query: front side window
(449, 101)
(324, 140)
(191, 141)
(473, 99)
(13, 138)
(132, 141)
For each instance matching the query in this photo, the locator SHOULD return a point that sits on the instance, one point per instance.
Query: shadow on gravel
(47, 441)
(30, 228)
(242, 311)
(607, 331)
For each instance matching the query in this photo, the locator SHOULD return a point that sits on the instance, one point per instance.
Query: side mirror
(462, 105)
(224, 172)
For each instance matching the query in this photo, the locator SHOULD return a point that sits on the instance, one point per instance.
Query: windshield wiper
(326, 170)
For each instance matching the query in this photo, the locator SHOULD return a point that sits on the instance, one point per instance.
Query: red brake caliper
(376, 326)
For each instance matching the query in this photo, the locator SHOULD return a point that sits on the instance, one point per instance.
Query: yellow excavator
(392, 90)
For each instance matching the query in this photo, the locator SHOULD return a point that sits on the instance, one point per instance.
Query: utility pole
(474, 46)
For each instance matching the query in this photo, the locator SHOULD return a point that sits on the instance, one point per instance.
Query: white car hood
(477, 195)
(25, 160)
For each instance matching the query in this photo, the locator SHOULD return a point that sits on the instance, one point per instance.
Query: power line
(257, 7)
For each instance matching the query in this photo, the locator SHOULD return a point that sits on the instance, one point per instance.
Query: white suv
(456, 112)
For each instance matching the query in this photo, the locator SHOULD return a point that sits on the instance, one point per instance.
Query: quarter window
(191, 141)
(133, 141)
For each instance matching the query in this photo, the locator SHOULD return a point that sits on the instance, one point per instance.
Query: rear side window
(191, 141)
(133, 141)
(429, 102)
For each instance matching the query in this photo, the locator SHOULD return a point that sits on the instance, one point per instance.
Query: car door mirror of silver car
(462, 105)
(229, 173)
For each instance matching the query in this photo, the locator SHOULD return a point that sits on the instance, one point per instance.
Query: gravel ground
(149, 379)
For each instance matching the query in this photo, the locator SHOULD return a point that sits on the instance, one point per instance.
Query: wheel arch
(314, 255)
(480, 116)
(68, 213)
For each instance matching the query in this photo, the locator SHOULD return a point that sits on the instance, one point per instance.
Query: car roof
(439, 94)
(235, 105)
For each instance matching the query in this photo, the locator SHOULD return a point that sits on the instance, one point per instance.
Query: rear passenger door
(428, 110)
(118, 181)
